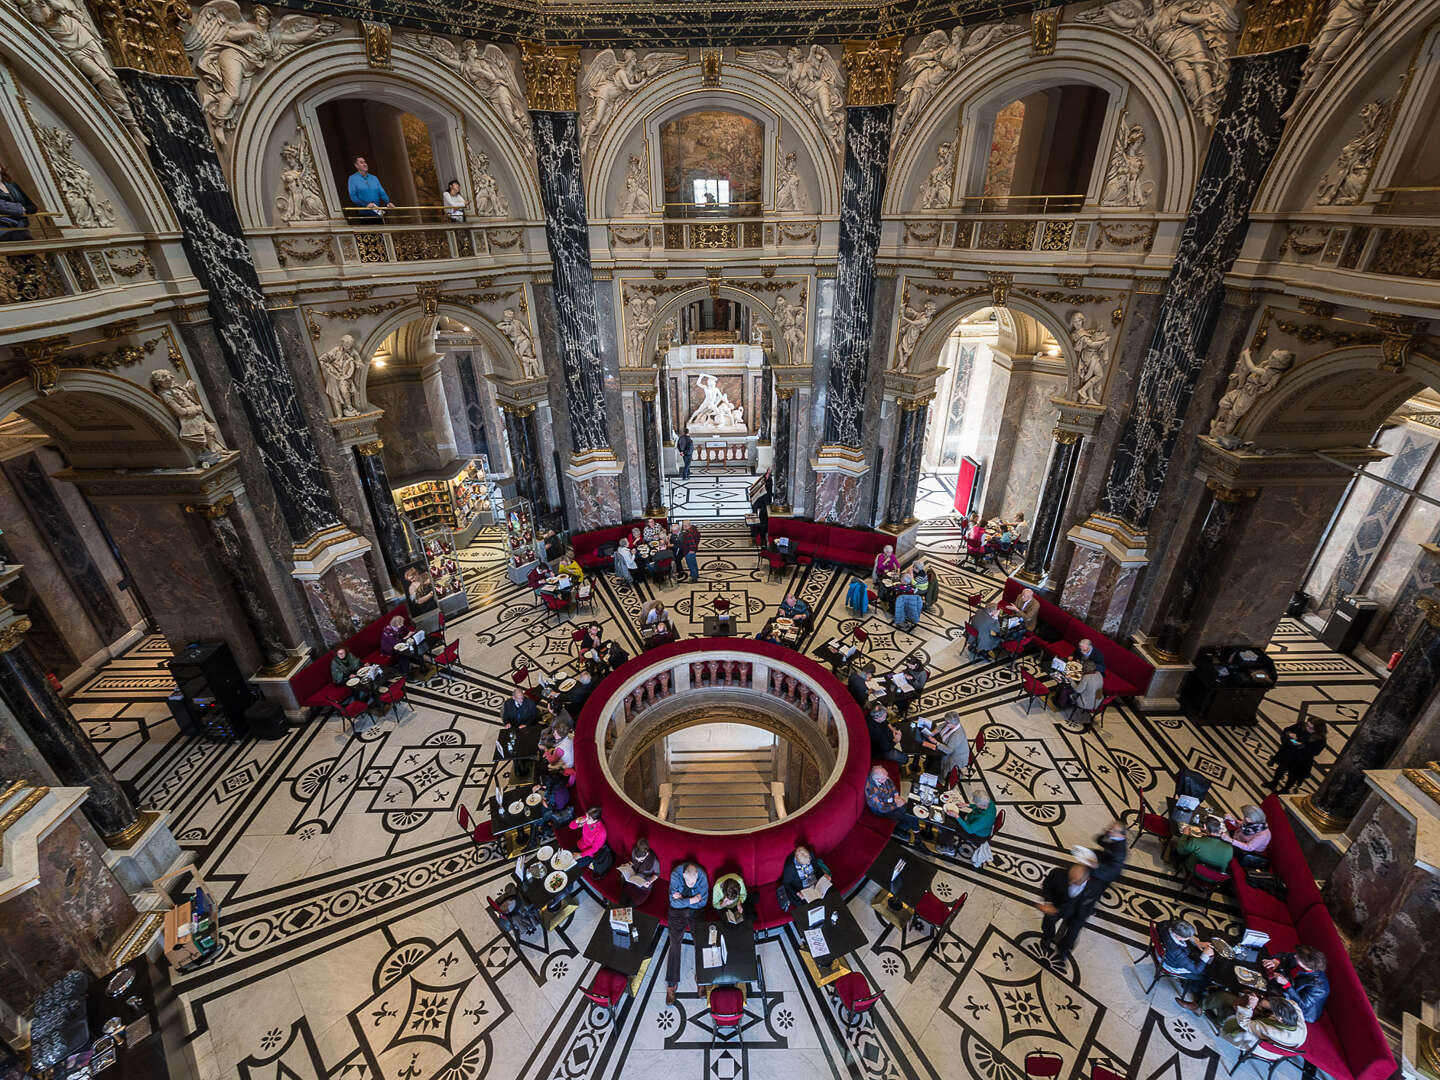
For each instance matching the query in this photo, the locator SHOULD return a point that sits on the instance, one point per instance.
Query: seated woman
(1085, 691)
(729, 897)
(886, 563)
(640, 873)
(1251, 834)
(396, 631)
(655, 533)
(625, 564)
(802, 871)
(1246, 1020)
(655, 615)
(571, 569)
(594, 636)
(977, 818)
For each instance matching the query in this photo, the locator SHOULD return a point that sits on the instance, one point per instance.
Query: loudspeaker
(214, 692)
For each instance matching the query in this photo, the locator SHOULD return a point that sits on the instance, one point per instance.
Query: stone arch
(503, 361)
(102, 421)
(306, 79)
(927, 349)
(676, 301)
(741, 90)
(1083, 54)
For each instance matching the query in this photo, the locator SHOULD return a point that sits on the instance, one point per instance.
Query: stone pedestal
(838, 471)
(1109, 555)
(335, 579)
(595, 484)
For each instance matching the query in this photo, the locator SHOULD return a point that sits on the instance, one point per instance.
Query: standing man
(690, 543)
(689, 893)
(1067, 899)
(1111, 857)
(367, 192)
(686, 446)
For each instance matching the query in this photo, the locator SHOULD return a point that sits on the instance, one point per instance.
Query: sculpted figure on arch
(814, 77)
(791, 319)
(522, 341)
(611, 79)
(69, 25)
(489, 71)
(939, 56)
(913, 322)
(196, 427)
(1092, 357)
(341, 366)
(1249, 382)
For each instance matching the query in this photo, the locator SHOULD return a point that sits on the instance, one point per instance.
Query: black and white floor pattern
(357, 943)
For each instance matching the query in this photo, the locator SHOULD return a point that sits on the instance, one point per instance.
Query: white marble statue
(1092, 357)
(715, 412)
(489, 71)
(935, 191)
(1249, 381)
(341, 366)
(940, 55)
(789, 193)
(87, 209)
(490, 201)
(913, 322)
(1345, 21)
(635, 198)
(69, 25)
(813, 76)
(1123, 186)
(196, 427)
(523, 343)
(791, 320)
(610, 79)
(299, 198)
(1344, 182)
(1194, 37)
(639, 314)
(233, 49)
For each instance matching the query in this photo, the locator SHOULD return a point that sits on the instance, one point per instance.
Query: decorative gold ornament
(713, 274)
(784, 392)
(1000, 282)
(1271, 25)
(217, 509)
(43, 356)
(13, 633)
(1429, 607)
(370, 449)
(428, 293)
(1322, 821)
(145, 34)
(132, 832)
(1229, 494)
(1044, 28)
(870, 68)
(710, 67)
(377, 44)
(20, 808)
(1064, 436)
(550, 72)
(1421, 778)
(1399, 334)
(646, 395)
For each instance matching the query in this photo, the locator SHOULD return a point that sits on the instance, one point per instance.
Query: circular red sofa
(836, 824)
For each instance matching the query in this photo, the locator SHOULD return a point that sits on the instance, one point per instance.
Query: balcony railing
(49, 269)
(385, 241)
(1374, 245)
(715, 234)
(995, 232)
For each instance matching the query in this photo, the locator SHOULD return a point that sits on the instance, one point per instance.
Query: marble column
(238, 559)
(1197, 579)
(905, 462)
(1385, 725)
(396, 548)
(767, 391)
(1053, 496)
(524, 451)
(781, 469)
(654, 498)
(56, 734)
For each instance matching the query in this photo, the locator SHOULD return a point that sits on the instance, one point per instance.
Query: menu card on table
(816, 943)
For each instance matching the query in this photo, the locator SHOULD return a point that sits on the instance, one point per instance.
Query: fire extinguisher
(1394, 659)
(53, 681)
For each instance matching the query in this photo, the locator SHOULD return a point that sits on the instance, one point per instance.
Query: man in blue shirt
(689, 893)
(367, 191)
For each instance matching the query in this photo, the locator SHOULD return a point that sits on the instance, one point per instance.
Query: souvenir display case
(430, 505)
(446, 574)
(520, 540)
(477, 501)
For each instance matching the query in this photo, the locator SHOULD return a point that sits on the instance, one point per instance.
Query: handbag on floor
(981, 855)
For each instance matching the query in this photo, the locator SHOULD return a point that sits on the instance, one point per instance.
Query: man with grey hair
(954, 746)
(1187, 958)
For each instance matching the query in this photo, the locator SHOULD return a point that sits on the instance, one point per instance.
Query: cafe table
(741, 961)
(629, 960)
(533, 886)
(824, 945)
(503, 821)
(914, 879)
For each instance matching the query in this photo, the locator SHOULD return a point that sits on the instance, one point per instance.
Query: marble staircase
(721, 789)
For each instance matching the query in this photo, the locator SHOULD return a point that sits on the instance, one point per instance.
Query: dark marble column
(780, 469)
(524, 451)
(1053, 497)
(238, 559)
(917, 455)
(1197, 579)
(767, 391)
(59, 738)
(900, 477)
(396, 547)
(654, 499)
(1385, 724)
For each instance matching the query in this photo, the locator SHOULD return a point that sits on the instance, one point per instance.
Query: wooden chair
(1015, 648)
(777, 564)
(856, 997)
(861, 637)
(1034, 688)
(463, 815)
(1097, 718)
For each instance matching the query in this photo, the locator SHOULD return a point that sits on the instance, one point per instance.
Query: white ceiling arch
(502, 359)
(928, 348)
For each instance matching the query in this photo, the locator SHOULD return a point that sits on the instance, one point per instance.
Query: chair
(607, 989)
(727, 1011)
(352, 709)
(585, 594)
(972, 771)
(952, 778)
(1265, 1050)
(930, 909)
(975, 599)
(463, 814)
(1205, 878)
(1100, 1072)
(1034, 688)
(721, 605)
(521, 674)
(1016, 647)
(777, 563)
(557, 605)
(394, 694)
(1003, 553)
(1097, 718)
(535, 579)
(577, 637)
(1157, 950)
(1153, 824)
(1043, 1063)
(972, 641)
(856, 997)
(448, 657)
(976, 554)
(861, 637)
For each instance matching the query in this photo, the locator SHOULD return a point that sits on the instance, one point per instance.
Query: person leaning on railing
(367, 192)
(15, 210)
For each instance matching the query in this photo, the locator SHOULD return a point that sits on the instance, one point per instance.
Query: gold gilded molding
(550, 72)
(132, 832)
(145, 34)
(13, 633)
(1429, 1041)
(377, 44)
(1044, 28)
(219, 508)
(1000, 282)
(1064, 436)
(1421, 779)
(710, 67)
(870, 68)
(370, 449)
(1429, 607)
(1319, 818)
(1279, 24)
(1226, 494)
(20, 809)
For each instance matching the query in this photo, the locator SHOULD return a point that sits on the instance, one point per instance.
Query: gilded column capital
(370, 449)
(1226, 494)
(646, 395)
(1429, 604)
(13, 633)
(550, 72)
(1271, 25)
(217, 509)
(521, 411)
(784, 392)
(870, 68)
(1064, 436)
(145, 34)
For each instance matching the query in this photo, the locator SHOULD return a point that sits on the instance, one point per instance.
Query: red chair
(464, 816)
(557, 605)
(1265, 1050)
(521, 674)
(952, 778)
(727, 1011)
(972, 641)
(1034, 688)
(937, 914)
(607, 989)
(1043, 1063)
(972, 771)
(777, 563)
(394, 694)
(352, 709)
(975, 599)
(576, 638)
(535, 579)
(1016, 647)
(1153, 824)
(585, 595)
(721, 604)
(1156, 955)
(1097, 718)
(1100, 1072)
(448, 657)
(856, 997)
(1205, 878)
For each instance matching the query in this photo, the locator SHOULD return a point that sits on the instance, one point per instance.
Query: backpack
(602, 861)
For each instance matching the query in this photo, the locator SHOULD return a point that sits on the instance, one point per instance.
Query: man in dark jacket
(685, 447)
(1067, 897)
(1111, 856)
(802, 870)
(519, 710)
(856, 684)
(1186, 958)
(1302, 974)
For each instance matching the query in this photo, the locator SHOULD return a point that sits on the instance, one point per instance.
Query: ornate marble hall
(328, 314)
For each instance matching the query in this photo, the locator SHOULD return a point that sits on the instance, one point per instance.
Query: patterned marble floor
(357, 944)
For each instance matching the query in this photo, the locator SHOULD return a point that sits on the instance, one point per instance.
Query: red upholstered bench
(311, 685)
(1127, 674)
(832, 543)
(587, 544)
(1356, 1048)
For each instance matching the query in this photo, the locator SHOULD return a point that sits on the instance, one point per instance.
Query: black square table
(944, 824)
(915, 878)
(502, 821)
(519, 744)
(842, 933)
(626, 960)
(741, 965)
(533, 888)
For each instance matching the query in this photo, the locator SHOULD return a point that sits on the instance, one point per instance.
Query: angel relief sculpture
(233, 49)
(814, 77)
(489, 71)
(609, 80)
(939, 56)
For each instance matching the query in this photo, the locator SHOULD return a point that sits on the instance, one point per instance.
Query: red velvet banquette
(1126, 673)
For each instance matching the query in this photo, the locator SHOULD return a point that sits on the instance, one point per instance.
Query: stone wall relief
(487, 198)
(87, 209)
(1344, 183)
(490, 72)
(70, 27)
(299, 198)
(229, 51)
(935, 191)
(635, 196)
(716, 414)
(641, 305)
(790, 194)
(1248, 383)
(1123, 184)
(1092, 358)
(1193, 37)
(937, 58)
(517, 329)
(341, 367)
(913, 322)
(813, 76)
(790, 318)
(197, 429)
(609, 80)
(1346, 21)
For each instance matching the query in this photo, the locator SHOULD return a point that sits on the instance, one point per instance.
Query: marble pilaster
(396, 547)
(415, 421)
(1077, 422)
(654, 498)
(767, 391)
(524, 450)
(235, 555)
(780, 471)
(905, 462)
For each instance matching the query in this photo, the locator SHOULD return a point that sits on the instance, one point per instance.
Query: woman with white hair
(886, 563)
(1252, 832)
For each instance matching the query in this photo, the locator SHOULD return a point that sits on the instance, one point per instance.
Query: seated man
(1086, 692)
(884, 800)
(1085, 650)
(343, 665)
(802, 871)
(1187, 958)
(396, 631)
(616, 656)
(883, 737)
(1246, 1020)
(1028, 608)
(729, 896)
(575, 700)
(792, 607)
(1210, 848)
(640, 873)
(519, 710)
(856, 683)
(624, 563)
(655, 615)
(908, 603)
(1301, 975)
(986, 623)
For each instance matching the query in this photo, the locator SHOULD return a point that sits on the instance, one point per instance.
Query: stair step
(738, 782)
(683, 799)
